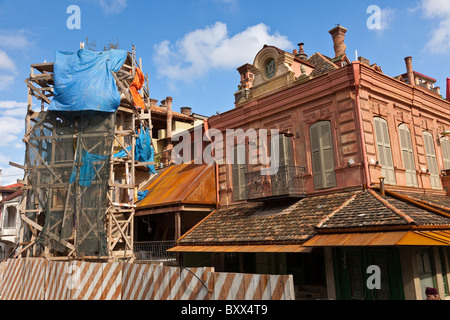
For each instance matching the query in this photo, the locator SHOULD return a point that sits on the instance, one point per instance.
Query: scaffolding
(64, 215)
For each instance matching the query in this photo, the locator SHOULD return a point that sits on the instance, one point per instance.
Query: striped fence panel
(2, 269)
(37, 279)
(33, 279)
(239, 286)
(58, 280)
(155, 282)
(96, 281)
(12, 279)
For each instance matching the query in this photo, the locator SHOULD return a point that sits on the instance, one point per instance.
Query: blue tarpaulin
(87, 170)
(83, 80)
(143, 151)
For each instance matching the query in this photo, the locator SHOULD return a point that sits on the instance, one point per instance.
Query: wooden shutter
(238, 174)
(407, 155)
(384, 150)
(285, 151)
(322, 155)
(431, 160)
(445, 145)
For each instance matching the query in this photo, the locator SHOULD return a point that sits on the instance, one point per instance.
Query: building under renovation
(88, 154)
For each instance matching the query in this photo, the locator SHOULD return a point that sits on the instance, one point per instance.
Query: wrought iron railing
(287, 181)
(154, 250)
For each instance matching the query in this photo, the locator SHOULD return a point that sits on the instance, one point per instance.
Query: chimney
(338, 34)
(301, 53)
(409, 71)
(448, 89)
(247, 76)
(186, 111)
(168, 103)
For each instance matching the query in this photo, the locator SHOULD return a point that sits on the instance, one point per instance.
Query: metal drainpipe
(216, 164)
(356, 73)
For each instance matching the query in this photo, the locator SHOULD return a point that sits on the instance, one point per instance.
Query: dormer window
(270, 68)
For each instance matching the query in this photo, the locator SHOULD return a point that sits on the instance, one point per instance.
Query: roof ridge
(420, 203)
(347, 202)
(397, 211)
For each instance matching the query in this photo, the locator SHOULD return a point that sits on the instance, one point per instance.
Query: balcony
(287, 182)
(154, 251)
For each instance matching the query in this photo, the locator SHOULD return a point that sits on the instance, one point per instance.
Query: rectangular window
(407, 155)
(322, 154)
(425, 269)
(431, 160)
(10, 217)
(384, 150)
(238, 169)
(445, 144)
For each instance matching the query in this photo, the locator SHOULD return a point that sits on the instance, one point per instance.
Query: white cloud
(387, 16)
(113, 6)
(440, 36)
(14, 39)
(210, 48)
(11, 130)
(13, 108)
(6, 63)
(7, 71)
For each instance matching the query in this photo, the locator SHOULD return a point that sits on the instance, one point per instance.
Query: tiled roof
(259, 222)
(322, 64)
(163, 111)
(367, 210)
(291, 222)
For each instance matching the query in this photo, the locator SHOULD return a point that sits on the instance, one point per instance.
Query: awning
(243, 248)
(398, 238)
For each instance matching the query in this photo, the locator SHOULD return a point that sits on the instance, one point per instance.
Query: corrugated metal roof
(397, 238)
(189, 183)
(243, 248)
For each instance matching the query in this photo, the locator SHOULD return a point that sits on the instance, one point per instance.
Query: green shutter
(238, 174)
(431, 160)
(384, 150)
(322, 155)
(407, 155)
(445, 144)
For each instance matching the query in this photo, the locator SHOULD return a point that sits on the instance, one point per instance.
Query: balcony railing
(154, 250)
(287, 182)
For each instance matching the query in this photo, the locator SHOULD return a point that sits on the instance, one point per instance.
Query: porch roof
(181, 184)
(367, 215)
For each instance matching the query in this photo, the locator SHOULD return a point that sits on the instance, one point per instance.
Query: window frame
(324, 169)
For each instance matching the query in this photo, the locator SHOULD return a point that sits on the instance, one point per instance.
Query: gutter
(356, 66)
(215, 161)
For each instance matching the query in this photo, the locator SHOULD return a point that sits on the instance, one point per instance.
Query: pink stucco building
(362, 178)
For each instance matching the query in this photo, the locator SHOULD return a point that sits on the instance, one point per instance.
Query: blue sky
(191, 49)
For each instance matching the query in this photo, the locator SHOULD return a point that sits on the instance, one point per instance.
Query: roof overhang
(398, 238)
(242, 248)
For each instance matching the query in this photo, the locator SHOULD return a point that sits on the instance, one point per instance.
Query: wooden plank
(43, 97)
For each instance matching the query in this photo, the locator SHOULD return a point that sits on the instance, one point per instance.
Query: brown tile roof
(258, 222)
(295, 222)
(163, 111)
(369, 209)
(322, 64)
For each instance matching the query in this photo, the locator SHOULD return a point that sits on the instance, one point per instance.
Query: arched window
(384, 150)
(407, 155)
(322, 154)
(431, 160)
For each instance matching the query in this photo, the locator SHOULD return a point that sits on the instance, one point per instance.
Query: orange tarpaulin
(135, 86)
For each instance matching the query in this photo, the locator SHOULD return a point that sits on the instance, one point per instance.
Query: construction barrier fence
(40, 279)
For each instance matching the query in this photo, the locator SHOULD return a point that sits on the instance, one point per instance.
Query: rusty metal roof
(183, 183)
